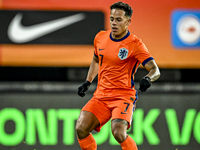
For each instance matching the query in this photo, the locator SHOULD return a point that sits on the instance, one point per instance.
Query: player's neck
(119, 36)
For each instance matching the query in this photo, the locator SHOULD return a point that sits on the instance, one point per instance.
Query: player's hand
(145, 83)
(83, 88)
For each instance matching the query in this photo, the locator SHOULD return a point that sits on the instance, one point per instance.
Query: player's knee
(82, 129)
(81, 132)
(119, 128)
(119, 136)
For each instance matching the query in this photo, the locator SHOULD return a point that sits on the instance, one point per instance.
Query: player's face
(119, 23)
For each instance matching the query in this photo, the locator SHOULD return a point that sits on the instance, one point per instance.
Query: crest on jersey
(123, 53)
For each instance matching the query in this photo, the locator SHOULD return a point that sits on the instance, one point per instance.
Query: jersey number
(125, 110)
(126, 107)
(101, 59)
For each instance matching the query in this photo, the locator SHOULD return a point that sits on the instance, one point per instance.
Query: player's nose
(114, 22)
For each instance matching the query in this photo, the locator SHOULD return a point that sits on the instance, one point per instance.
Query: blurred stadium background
(40, 74)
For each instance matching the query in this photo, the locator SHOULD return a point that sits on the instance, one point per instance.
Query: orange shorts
(115, 108)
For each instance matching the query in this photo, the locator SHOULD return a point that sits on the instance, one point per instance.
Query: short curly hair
(123, 6)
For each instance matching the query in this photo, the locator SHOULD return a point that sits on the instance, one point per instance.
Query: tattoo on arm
(154, 72)
(151, 64)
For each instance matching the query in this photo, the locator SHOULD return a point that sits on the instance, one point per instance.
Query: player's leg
(122, 118)
(86, 122)
(119, 127)
(119, 131)
(92, 117)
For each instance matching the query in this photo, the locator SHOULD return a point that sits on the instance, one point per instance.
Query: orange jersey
(118, 62)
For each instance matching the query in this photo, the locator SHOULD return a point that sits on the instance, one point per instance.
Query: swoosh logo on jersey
(21, 34)
(101, 49)
(123, 113)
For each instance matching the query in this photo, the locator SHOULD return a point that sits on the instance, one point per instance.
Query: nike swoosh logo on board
(21, 34)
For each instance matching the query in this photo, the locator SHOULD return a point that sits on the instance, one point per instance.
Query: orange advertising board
(152, 21)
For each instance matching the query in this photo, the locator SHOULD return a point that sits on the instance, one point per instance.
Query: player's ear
(129, 21)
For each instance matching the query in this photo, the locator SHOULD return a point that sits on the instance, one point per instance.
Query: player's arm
(92, 72)
(153, 75)
(152, 68)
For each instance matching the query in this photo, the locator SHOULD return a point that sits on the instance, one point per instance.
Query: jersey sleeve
(95, 46)
(141, 53)
(96, 41)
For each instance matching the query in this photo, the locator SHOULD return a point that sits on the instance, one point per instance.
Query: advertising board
(158, 23)
(46, 121)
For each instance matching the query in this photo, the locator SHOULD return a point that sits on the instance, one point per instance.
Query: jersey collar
(118, 40)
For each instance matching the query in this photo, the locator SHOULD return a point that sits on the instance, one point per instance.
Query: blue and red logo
(186, 28)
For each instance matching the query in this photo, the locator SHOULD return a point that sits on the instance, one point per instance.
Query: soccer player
(117, 55)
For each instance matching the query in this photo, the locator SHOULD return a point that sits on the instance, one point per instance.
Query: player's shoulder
(102, 33)
(135, 39)
(100, 36)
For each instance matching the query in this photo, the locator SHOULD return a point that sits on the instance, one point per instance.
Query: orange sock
(88, 143)
(129, 144)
